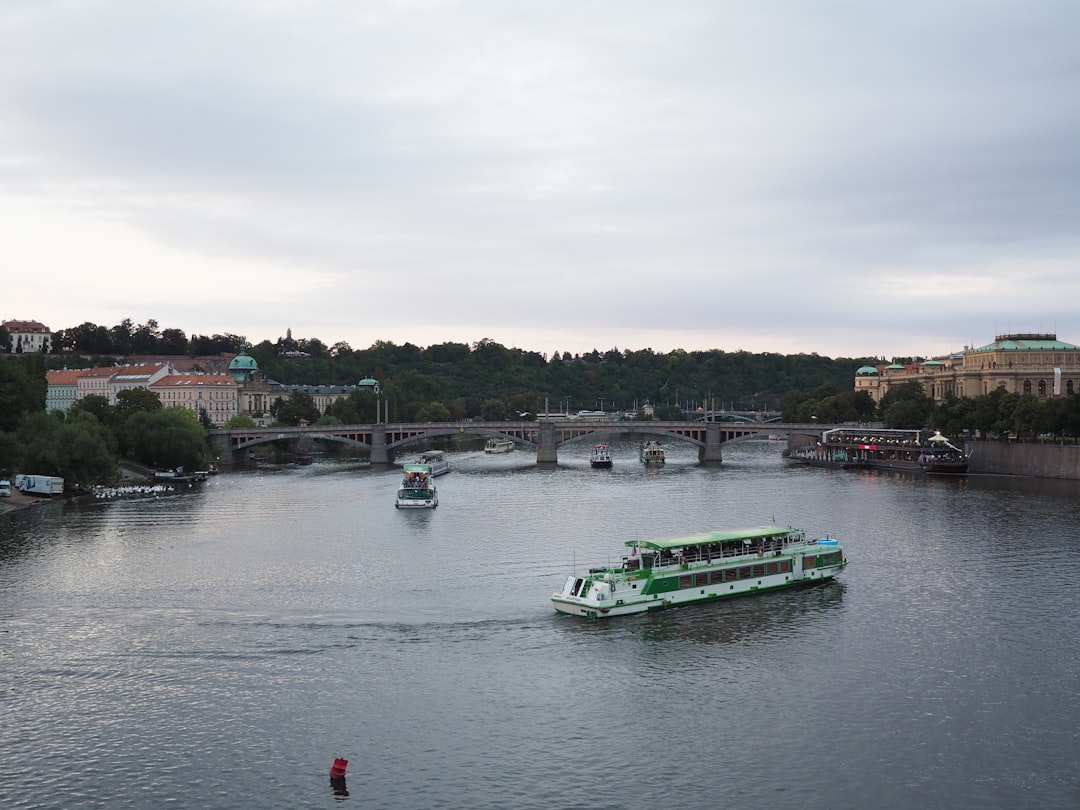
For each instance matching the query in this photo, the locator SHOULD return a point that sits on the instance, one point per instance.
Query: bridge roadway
(543, 436)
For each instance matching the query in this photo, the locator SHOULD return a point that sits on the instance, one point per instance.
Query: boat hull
(690, 596)
(576, 608)
(417, 503)
(895, 466)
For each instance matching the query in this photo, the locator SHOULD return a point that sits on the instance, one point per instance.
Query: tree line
(484, 379)
(998, 414)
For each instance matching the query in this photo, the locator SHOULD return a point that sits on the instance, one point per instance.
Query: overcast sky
(831, 176)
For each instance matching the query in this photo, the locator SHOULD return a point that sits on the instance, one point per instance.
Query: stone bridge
(543, 436)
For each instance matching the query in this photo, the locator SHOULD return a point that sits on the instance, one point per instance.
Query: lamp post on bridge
(372, 385)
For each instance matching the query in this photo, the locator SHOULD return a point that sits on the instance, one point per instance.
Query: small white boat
(652, 452)
(601, 456)
(701, 568)
(417, 489)
(499, 446)
(437, 460)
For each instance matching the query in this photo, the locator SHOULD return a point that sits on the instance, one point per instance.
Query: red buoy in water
(337, 770)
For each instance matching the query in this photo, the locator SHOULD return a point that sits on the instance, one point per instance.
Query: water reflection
(764, 617)
(337, 785)
(769, 616)
(175, 635)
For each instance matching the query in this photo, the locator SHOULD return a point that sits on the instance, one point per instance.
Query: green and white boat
(701, 568)
(417, 488)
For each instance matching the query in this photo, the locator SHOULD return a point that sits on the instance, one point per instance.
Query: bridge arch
(543, 436)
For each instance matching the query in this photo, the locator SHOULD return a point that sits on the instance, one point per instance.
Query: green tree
(240, 421)
(167, 439)
(954, 415)
(21, 392)
(173, 341)
(87, 457)
(906, 407)
(298, 406)
(76, 448)
(493, 410)
(984, 417)
(133, 401)
(433, 412)
(1029, 417)
(98, 406)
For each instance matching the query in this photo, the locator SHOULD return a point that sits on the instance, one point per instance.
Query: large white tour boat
(651, 452)
(437, 460)
(417, 489)
(701, 568)
(495, 445)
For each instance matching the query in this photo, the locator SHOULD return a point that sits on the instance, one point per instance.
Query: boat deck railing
(697, 556)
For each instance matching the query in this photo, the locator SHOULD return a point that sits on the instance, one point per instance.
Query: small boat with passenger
(601, 456)
(651, 453)
(701, 568)
(495, 445)
(437, 460)
(417, 489)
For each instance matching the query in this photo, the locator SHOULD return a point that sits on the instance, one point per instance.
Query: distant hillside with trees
(462, 378)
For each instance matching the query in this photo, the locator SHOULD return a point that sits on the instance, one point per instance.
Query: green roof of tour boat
(418, 468)
(707, 538)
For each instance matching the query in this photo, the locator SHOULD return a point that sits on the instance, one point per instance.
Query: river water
(218, 648)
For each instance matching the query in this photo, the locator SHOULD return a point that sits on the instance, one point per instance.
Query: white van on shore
(5, 488)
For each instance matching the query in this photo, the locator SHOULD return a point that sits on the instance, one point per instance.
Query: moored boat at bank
(417, 488)
(495, 445)
(601, 456)
(917, 451)
(651, 452)
(700, 568)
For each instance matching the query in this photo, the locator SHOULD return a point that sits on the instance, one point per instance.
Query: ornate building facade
(1028, 363)
(28, 336)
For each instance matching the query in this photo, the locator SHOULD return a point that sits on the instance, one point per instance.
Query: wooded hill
(463, 377)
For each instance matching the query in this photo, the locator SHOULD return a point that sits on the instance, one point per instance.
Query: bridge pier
(379, 453)
(222, 449)
(711, 453)
(546, 450)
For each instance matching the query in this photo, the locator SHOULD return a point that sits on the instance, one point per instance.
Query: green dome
(242, 367)
(865, 371)
(369, 383)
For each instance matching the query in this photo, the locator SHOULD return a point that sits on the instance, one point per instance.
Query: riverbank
(20, 500)
(1041, 460)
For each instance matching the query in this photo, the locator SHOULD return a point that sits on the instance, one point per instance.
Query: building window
(1027, 386)
(1042, 388)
